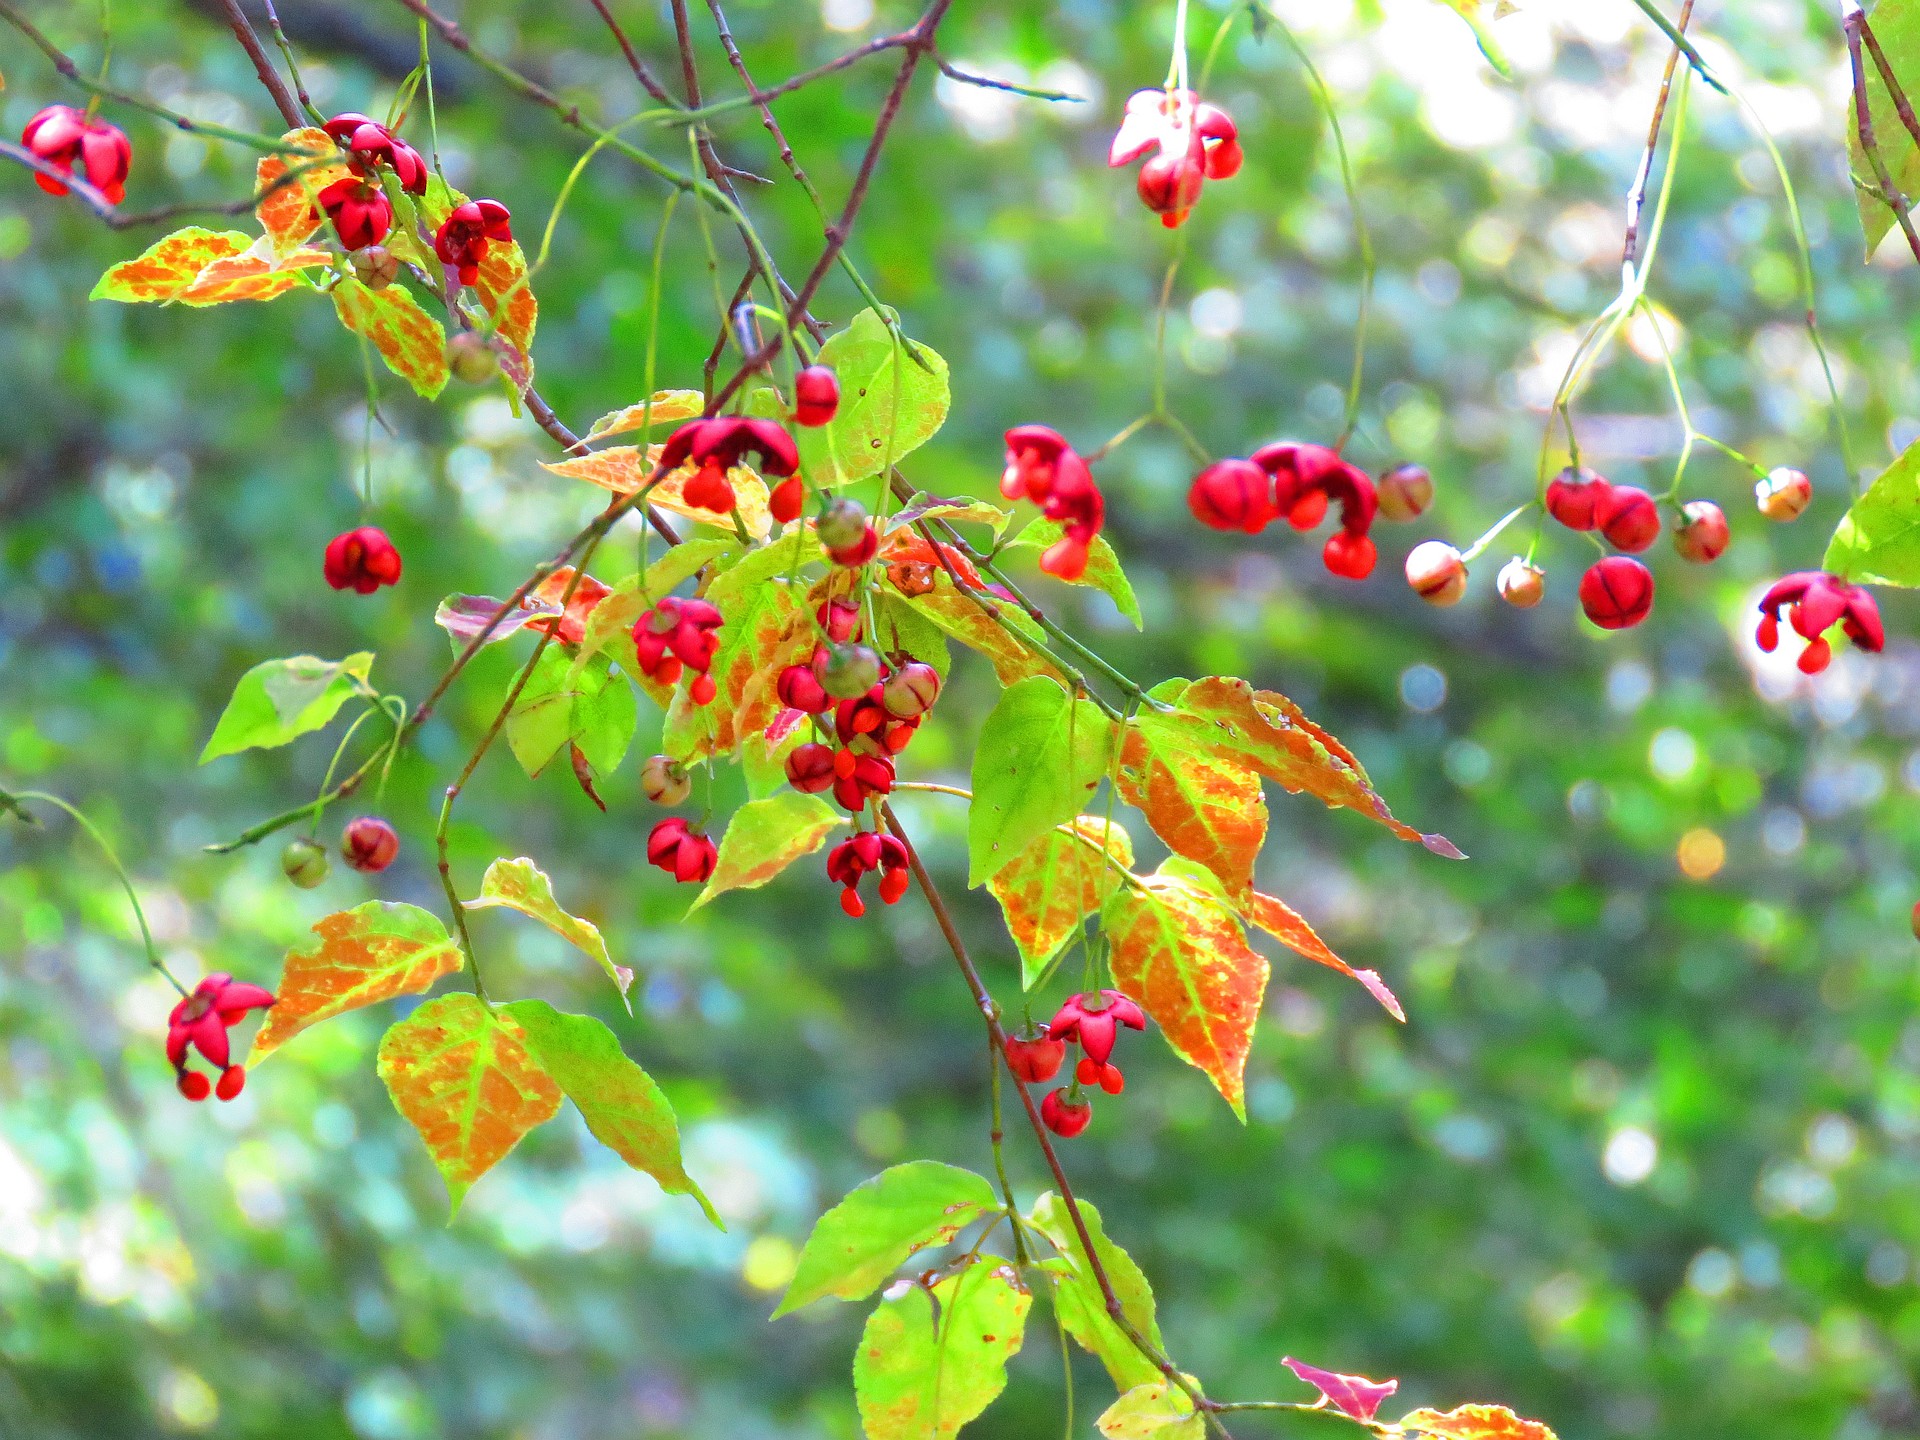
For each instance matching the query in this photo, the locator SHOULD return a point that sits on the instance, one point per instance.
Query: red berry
(361, 560)
(233, 1080)
(910, 691)
(851, 902)
(1232, 495)
(839, 620)
(810, 768)
(893, 885)
(859, 553)
(1098, 1072)
(786, 499)
(702, 690)
(1784, 494)
(1035, 1060)
(1405, 492)
(1437, 572)
(1063, 1117)
(1348, 555)
(800, 689)
(665, 781)
(369, 844)
(1576, 496)
(816, 395)
(1617, 593)
(194, 1085)
(1522, 586)
(1307, 509)
(1702, 534)
(848, 671)
(1629, 518)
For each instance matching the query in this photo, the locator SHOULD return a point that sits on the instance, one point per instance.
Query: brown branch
(634, 63)
(1895, 90)
(990, 1012)
(919, 41)
(263, 67)
(1852, 20)
(114, 218)
(1637, 192)
(987, 82)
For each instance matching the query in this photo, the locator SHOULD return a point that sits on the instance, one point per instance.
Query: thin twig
(1852, 20)
(634, 63)
(262, 65)
(114, 218)
(1637, 192)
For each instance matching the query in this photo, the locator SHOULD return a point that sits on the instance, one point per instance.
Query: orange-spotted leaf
(548, 594)
(765, 837)
(905, 546)
(1203, 801)
(504, 290)
(619, 1101)
(251, 276)
(522, 885)
(463, 1077)
(766, 624)
(1179, 951)
(289, 214)
(668, 407)
(1279, 920)
(169, 266)
(370, 953)
(623, 469)
(1053, 885)
(1155, 1411)
(1352, 1395)
(407, 337)
(998, 629)
(1475, 1422)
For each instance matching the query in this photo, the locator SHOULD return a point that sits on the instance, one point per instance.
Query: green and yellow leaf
(1050, 888)
(407, 337)
(277, 701)
(668, 407)
(890, 404)
(1103, 572)
(521, 885)
(1475, 1422)
(370, 953)
(1042, 752)
(1203, 801)
(290, 215)
(929, 1362)
(765, 837)
(1157, 1411)
(1082, 1305)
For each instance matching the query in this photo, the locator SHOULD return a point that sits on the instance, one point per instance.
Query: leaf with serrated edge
(407, 337)
(765, 837)
(502, 277)
(1159, 1411)
(670, 407)
(1103, 572)
(290, 215)
(1896, 26)
(1279, 920)
(462, 1076)
(277, 701)
(1078, 1299)
(1041, 754)
(370, 953)
(929, 1363)
(169, 265)
(522, 885)
(1205, 803)
(1179, 951)
(881, 1224)
(619, 1101)
(256, 275)
(1475, 1422)
(1051, 887)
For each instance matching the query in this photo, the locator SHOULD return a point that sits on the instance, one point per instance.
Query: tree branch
(262, 66)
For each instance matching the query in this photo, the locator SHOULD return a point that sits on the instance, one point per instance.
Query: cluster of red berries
(876, 710)
(1299, 482)
(200, 1022)
(1044, 468)
(361, 560)
(64, 137)
(1093, 1022)
(679, 633)
(1192, 142)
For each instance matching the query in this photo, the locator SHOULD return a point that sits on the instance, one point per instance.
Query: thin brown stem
(263, 65)
(1902, 106)
(634, 63)
(114, 218)
(1637, 192)
(1853, 19)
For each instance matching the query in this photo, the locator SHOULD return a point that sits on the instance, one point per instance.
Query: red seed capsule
(369, 844)
(1035, 1060)
(1576, 496)
(1702, 535)
(1437, 572)
(1629, 518)
(1063, 1117)
(816, 395)
(1405, 492)
(1617, 593)
(1232, 495)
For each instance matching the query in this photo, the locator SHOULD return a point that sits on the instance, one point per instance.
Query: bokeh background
(1644, 1162)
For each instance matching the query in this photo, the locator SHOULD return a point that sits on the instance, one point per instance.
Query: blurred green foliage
(1643, 1163)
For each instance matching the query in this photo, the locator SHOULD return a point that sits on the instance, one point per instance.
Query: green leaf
(922, 506)
(763, 754)
(1896, 24)
(407, 337)
(765, 837)
(462, 1076)
(898, 626)
(1103, 570)
(1041, 755)
(930, 1362)
(889, 404)
(1471, 12)
(521, 885)
(1081, 1304)
(370, 953)
(619, 1101)
(882, 1222)
(1053, 885)
(1878, 541)
(594, 709)
(1160, 1411)
(278, 701)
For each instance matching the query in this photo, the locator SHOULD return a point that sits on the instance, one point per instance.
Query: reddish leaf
(169, 266)
(1353, 1395)
(1048, 889)
(1179, 951)
(502, 279)
(370, 953)
(289, 215)
(407, 337)
(623, 469)
(462, 1076)
(251, 276)
(904, 545)
(1476, 1422)
(583, 775)
(1205, 803)
(669, 407)
(548, 594)
(1279, 920)
(465, 616)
